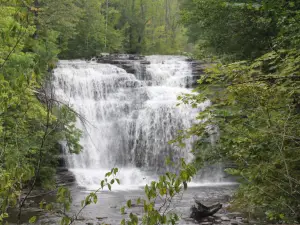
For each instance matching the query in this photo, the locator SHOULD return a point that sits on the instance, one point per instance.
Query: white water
(130, 117)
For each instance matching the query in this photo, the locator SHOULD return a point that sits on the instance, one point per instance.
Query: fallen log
(201, 211)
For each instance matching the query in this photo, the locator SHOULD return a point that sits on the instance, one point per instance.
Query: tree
(93, 34)
(30, 122)
(232, 30)
(151, 26)
(255, 102)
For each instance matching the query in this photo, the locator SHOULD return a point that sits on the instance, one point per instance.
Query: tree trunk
(36, 19)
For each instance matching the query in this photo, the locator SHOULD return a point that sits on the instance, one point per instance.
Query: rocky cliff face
(136, 64)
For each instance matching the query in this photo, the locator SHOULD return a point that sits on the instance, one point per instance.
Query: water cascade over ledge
(130, 117)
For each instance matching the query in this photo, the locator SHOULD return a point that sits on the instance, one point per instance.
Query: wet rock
(29, 203)
(145, 62)
(227, 198)
(124, 61)
(101, 218)
(244, 220)
(189, 220)
(132, 84)
(61, 169)
(64, 177)
(80, 218)
(211, 219)
(206, 223)
(129, 68)
(234, 215)
(218, 221)
(199, 67)
(225, 218)
(135, 57)
(234, 223)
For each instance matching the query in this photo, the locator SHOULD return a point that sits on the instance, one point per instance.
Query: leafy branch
(64, 199)
(169, 186)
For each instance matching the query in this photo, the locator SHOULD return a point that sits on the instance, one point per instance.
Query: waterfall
(130, 117)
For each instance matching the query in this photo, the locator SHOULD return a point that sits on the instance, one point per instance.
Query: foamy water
(130, 118)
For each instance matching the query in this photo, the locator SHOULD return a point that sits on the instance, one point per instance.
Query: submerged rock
(225, 218)
(233, 215)
(206, 223)
(101, 218)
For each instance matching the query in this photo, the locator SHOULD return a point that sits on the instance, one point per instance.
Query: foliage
(160, 195)
(64, 199)
(257, 117)
(230, 30)
(152, 26)
(255, 102)
(92, 37)
(30, 124)
(131, 26)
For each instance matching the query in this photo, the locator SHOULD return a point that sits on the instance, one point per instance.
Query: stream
(107, 209)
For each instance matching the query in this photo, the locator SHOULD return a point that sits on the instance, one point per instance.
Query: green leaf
(123, 222)
(95, 199)
(102, 184)
(122, 210)
(116, 170)
(184, 175)
(33, 219)
(49, 207)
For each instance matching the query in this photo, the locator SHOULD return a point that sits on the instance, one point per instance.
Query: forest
(253, 82)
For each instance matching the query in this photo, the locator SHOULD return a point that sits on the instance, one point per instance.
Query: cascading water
(130, 117)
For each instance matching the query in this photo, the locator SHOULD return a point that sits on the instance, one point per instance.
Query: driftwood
(202, 211)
